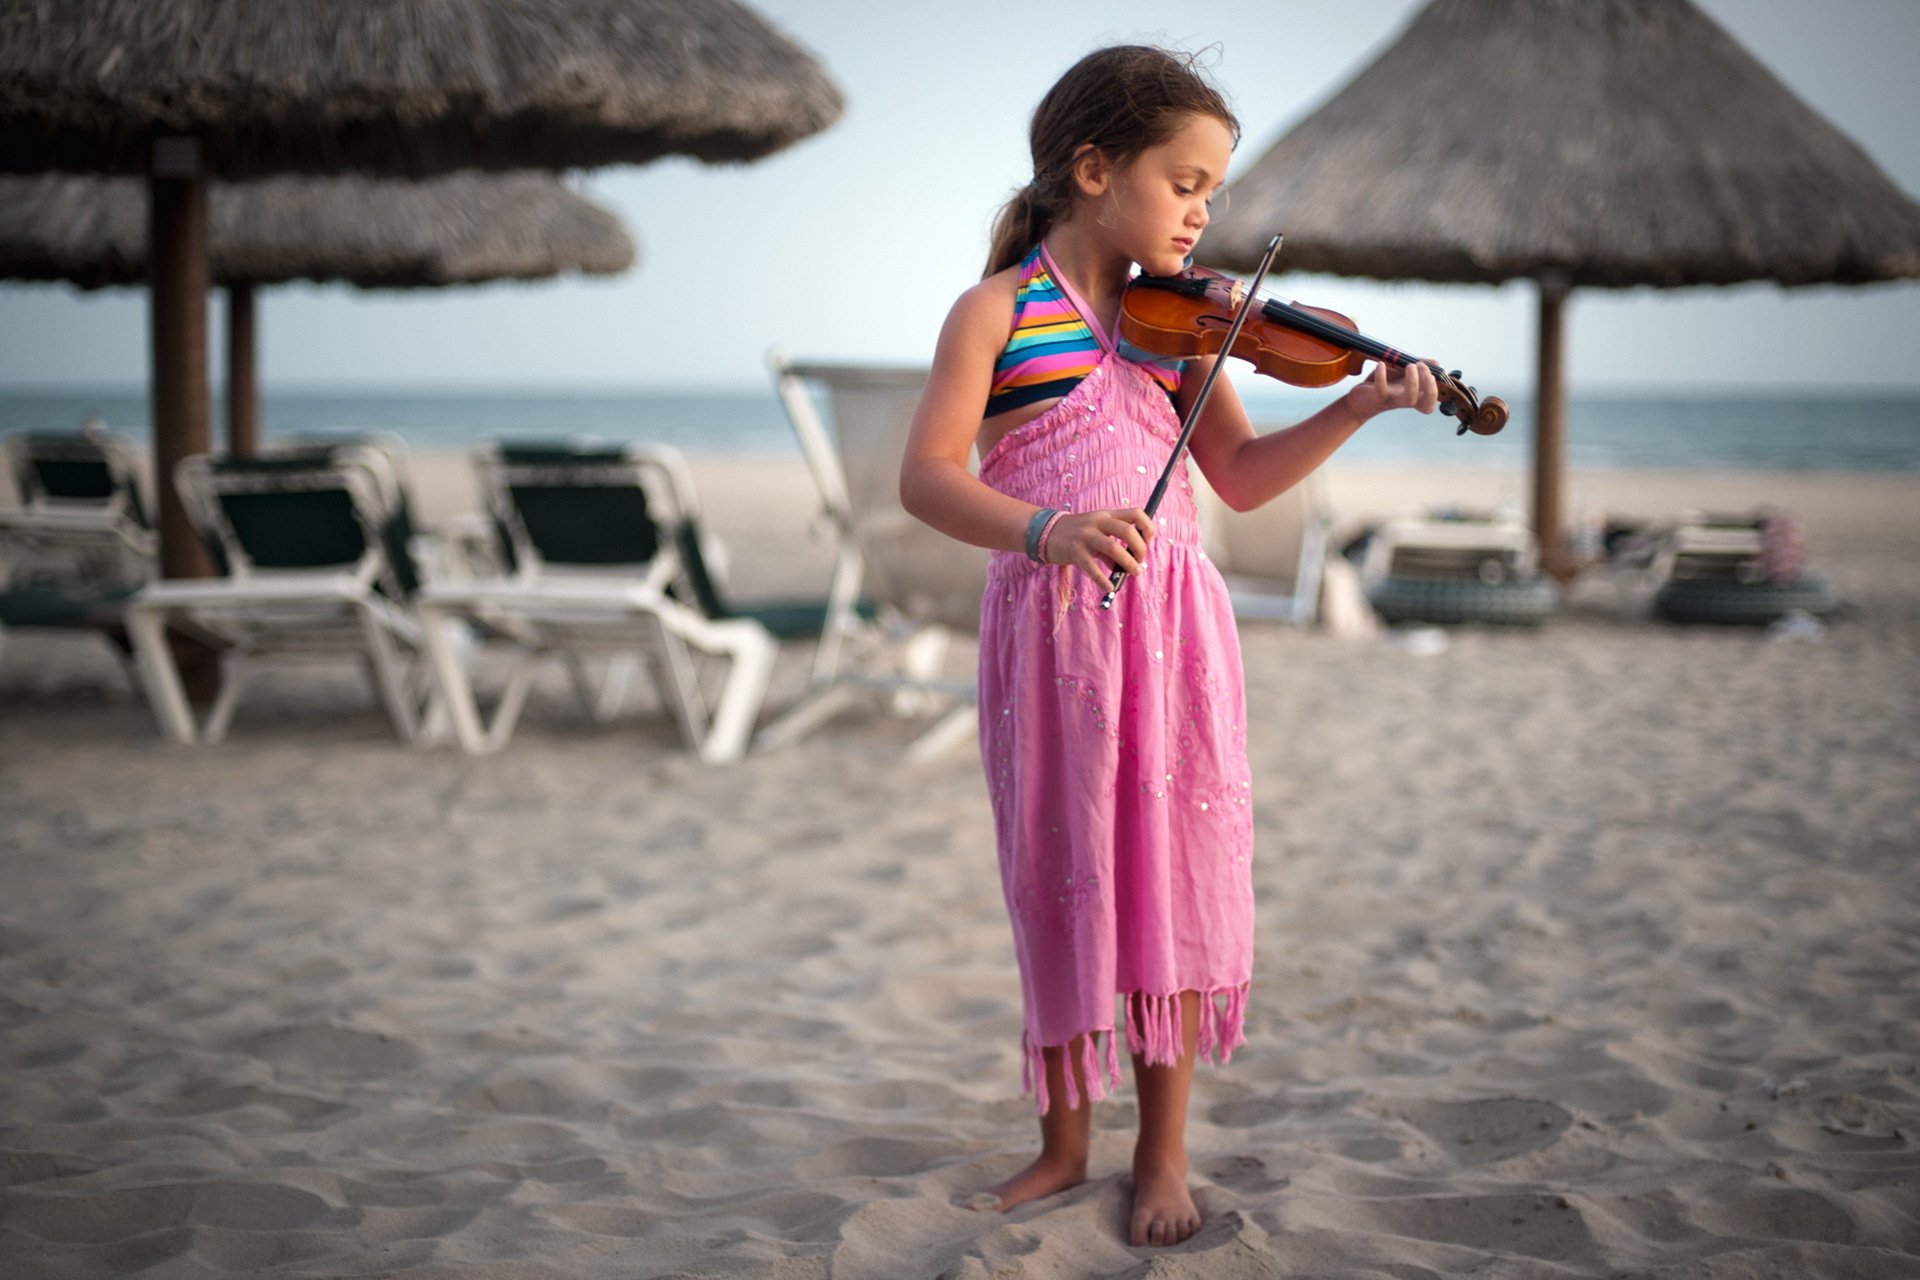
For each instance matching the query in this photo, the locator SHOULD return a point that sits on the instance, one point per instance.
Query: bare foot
(1163, 1208)
(1043, 1177)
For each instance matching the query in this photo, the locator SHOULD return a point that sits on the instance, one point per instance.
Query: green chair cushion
(66, 605)
(310, 528)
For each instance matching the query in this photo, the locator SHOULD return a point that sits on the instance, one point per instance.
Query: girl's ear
(1092, 171)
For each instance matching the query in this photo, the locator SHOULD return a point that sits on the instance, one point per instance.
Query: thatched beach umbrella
(1604, 143)
(374, 233)
(183, 90)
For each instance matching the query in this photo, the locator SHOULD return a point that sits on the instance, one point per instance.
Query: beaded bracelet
(1035, 527)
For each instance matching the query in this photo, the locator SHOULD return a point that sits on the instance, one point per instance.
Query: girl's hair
(1122, 100)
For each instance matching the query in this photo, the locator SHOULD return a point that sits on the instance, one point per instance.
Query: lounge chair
(606, 560)
(1454, 567)
(316, 558)
(900, 590)
(1272, 557)
(78, 545)
(1741, 569)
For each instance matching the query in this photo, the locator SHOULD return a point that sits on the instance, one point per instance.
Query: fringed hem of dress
(1153, 1033)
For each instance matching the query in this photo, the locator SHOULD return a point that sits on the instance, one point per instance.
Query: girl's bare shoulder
(985, 311)
(993, 295)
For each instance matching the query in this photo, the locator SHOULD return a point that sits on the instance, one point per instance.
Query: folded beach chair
(78, 545)
(900, 590)
(1457, 566)
(316, 558)
(1737, 569)
(606, 561)
(1272, 557)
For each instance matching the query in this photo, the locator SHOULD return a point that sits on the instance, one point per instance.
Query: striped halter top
(1053, 343)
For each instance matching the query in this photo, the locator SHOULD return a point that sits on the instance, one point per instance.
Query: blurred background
(852, 244)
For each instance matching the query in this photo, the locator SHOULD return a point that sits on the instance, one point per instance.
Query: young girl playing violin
(1114, 740)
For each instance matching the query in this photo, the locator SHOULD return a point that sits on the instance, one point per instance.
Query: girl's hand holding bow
(1098, 542)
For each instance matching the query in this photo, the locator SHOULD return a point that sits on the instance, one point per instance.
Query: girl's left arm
(1247, 469)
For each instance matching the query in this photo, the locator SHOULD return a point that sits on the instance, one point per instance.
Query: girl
(1114, 740)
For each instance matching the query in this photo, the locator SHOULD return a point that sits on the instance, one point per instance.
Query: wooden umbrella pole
(1550, 428)
(243, 376)
(177, 237)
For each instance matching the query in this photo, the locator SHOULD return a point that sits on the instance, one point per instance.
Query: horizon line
(576, 387)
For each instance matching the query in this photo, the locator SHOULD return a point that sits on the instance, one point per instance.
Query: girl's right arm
(935, 485)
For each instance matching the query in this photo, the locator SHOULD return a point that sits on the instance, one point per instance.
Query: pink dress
(1114, 743)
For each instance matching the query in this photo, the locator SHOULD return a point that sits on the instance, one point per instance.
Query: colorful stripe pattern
(1051, 347)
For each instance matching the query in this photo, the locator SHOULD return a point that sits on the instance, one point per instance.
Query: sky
(853, 244)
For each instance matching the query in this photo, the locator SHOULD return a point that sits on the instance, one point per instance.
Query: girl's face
(1163, 195)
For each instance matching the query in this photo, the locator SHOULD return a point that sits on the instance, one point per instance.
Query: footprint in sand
(1487, 1129)
(329, 1050)
(123, 1213)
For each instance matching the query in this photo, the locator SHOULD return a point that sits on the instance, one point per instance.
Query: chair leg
(159, 678)
(615, 687)
(806, 715)
(513, 700)
(450, 676)
(582, 682)
(946, 731)
(387, 667)
(122, 654)
(740, 698)
(1313, 559)
(424, 692)
(673, 673)
(606, 702)
(235, 672)
(920, 661)
(842, 620)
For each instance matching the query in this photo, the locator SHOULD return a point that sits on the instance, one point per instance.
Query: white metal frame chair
(1273, 557)
(312, 573)
(612, 586)
(900, 590)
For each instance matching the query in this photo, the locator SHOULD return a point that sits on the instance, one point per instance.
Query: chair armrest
(182, 593)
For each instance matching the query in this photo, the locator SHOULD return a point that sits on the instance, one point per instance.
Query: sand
(1587, 952)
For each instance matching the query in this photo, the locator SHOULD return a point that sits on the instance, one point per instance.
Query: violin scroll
(1458, 400)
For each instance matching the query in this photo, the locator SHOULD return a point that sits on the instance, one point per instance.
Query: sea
(1789, 431)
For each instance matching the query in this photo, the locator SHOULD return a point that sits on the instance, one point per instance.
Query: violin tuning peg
(1446, 407)
(1455, 375)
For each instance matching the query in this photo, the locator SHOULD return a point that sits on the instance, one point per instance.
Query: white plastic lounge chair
(599, 542)
(78, 544)
(1273, 556)
(315, 551)
(900, 590)
(80, 515)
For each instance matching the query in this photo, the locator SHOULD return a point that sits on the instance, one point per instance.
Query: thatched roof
(399, 87)
(1621, 142)
(377, 234)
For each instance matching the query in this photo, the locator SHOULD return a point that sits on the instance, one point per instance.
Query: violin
(1190, 314)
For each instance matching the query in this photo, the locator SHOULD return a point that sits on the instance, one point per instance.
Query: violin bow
(1200, 401)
